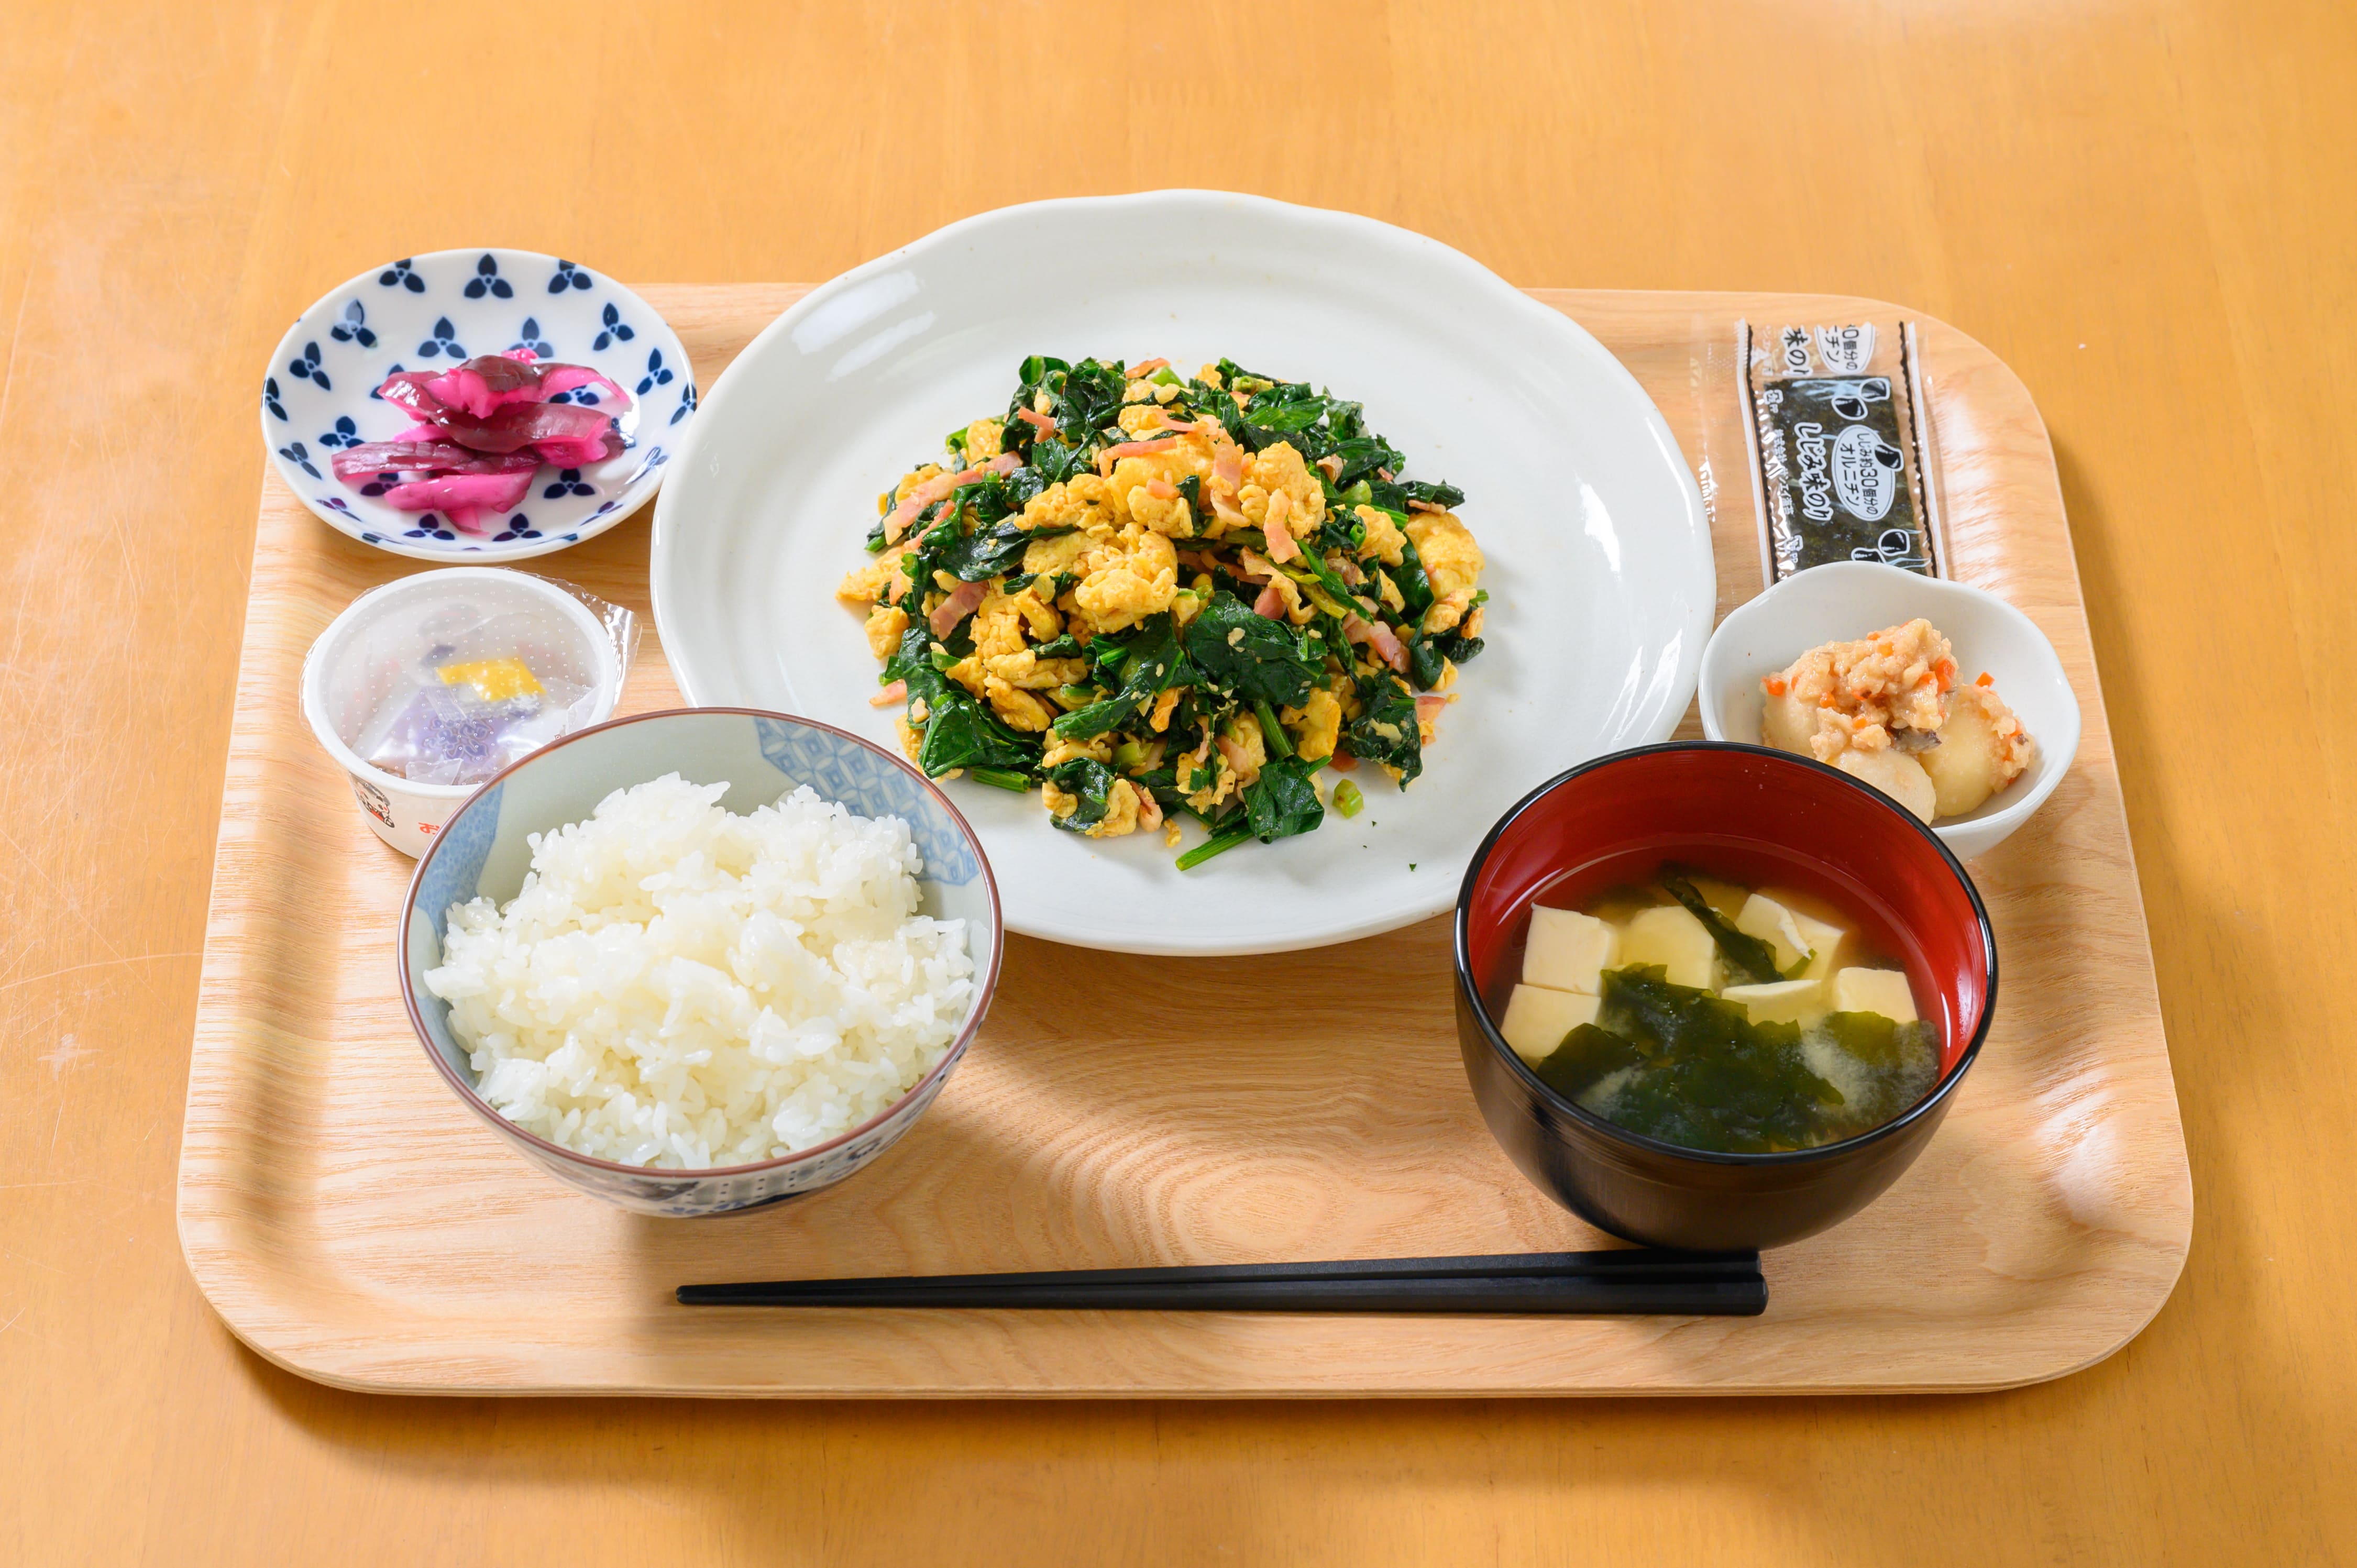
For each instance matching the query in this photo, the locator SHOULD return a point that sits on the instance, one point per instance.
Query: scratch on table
(94, 963)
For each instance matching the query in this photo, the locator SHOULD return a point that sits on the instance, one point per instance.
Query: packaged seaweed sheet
(1834, 414)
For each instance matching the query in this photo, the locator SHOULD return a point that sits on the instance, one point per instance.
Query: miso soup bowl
(1755, 815)
(486, 850)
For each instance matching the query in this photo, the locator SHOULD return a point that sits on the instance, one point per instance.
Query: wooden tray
(352, 1223)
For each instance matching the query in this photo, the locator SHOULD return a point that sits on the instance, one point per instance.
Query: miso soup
(1716, 1015)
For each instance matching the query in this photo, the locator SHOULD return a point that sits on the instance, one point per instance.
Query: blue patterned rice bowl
(484, 851)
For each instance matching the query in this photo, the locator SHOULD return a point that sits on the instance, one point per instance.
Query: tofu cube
(1568, 950)
(1883, 991)
(1537, 1019)
(1667, 935)
(1785, 1002)
(1792, 934)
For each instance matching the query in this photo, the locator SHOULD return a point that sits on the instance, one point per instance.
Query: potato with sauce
(1886, 709)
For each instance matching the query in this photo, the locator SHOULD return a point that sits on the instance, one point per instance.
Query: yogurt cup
(365, 661)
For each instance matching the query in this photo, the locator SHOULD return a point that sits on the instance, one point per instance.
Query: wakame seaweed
(1748, 953)
(1586, 1056)
(1689, 1067)
(1711, 1078)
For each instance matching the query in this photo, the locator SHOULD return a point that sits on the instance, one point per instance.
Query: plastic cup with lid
(395, 645)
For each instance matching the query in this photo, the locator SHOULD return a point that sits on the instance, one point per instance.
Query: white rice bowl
(680, 987)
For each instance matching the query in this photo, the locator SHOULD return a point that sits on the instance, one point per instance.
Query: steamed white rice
(679, 986)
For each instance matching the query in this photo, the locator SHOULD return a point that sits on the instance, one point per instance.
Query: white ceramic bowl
(1598, 551)
(1847, 599)
(431, 312)
(760, 756)
(342, 687)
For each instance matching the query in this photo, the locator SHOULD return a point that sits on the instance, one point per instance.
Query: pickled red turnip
(463, 497)
(482, 429)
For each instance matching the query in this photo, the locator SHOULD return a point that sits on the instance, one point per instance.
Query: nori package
(1834, 417)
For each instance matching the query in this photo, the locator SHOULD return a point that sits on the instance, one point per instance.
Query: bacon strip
(1038, 421)
(956, 607)
(1271, 603)
(1379, 637)
(938, 488)
(1227, 464)
(1281, 545)
(1161, 489)
(1113, 454)
(1147, 367)
(896, 692)
(1424, 506)
(1429, 703)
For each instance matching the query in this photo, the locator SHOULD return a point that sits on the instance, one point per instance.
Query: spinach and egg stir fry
(1154, 596)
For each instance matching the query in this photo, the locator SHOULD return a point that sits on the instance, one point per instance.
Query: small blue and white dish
(434, 312)
(483, 850)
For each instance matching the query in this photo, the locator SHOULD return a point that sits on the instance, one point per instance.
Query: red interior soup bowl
(1747, 814)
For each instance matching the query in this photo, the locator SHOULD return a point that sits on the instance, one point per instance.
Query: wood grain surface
(2145, 207)
(353, 1222)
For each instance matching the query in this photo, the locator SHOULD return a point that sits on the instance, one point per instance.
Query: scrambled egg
(1135, 532)
(1127, 578)
(1452, 564)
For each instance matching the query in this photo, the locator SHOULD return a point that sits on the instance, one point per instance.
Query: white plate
(433, 312)
(1599, 567)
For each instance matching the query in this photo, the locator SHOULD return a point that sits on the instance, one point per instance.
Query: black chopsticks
(1625, 1281)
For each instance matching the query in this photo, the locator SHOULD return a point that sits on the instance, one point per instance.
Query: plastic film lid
(387, 644)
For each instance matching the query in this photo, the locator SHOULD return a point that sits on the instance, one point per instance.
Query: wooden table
(2146, 206)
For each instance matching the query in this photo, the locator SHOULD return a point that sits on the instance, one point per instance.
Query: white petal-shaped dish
(1600, 565)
